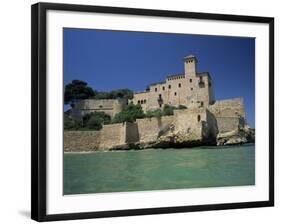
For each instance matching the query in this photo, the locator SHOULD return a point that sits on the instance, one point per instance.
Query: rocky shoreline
(178, 140)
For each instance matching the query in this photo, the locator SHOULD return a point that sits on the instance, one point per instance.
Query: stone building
(204, 121)
(108, 106)
(191, 89)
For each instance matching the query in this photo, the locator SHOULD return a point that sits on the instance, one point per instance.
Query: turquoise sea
(159, 169)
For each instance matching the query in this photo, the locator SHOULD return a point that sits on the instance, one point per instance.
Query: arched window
(175, 93)
(155, 89)
(141, 101)
(163, 88)
(169, 86)
(179, 85)
(198, 118)
(138, 101)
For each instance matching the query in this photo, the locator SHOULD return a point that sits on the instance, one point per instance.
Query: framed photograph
(139, 111)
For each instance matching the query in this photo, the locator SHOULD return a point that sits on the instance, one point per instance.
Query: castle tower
(190, 66)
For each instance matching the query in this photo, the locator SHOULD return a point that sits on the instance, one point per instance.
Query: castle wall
(197, 125)
(212, 126)
(77, 141)
(132, 132)
(226, 124)
(189, 122)
(172, 92)
(199, 91)
(228, 108)
(230, 114)
(149, 128)
(178, 90)
(108, 106)
(112, 135)
(141, 98)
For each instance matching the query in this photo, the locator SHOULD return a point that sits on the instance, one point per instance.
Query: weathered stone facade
(108, 106)
(81, 141)
(191, 89)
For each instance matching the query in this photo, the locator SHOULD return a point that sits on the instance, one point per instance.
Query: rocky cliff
(240, 136)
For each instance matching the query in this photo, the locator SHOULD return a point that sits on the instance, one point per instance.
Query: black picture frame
(39, 122)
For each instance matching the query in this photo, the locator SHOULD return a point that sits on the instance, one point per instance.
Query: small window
(201, 103)
(163, 88)
(191, 89)
(169, 86)
(175, 93)
(198, 118)
(160, 96)
(100, 106)
(190, 80)
(155, 89)
(144, 101)
(141, 101)
(138, 101)
(179, 85)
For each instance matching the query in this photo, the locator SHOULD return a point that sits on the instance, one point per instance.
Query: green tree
(130, 114)
(122, 93)
(71, 124)
(77, 90)
(114, 94)
(101, 95)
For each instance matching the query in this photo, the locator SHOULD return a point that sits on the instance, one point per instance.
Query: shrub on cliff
(154, 113)
(94, 123)
(168, 110)
(182, 107)
(130, 114)
(70, 123)
(96, 120)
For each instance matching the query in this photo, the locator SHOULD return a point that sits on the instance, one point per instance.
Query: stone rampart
(189, 122)
(192, 126)
(108, 106)
(149, 128)
(79, 141)
(112, 135)
(132, 132)
(227, 124)
(228, 108)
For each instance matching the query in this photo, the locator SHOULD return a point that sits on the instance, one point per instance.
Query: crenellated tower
(190, 66)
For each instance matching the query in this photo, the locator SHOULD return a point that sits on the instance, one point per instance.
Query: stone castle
(191, 89)
(204, 121)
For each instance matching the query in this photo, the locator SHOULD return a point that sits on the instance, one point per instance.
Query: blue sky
(109, 60)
